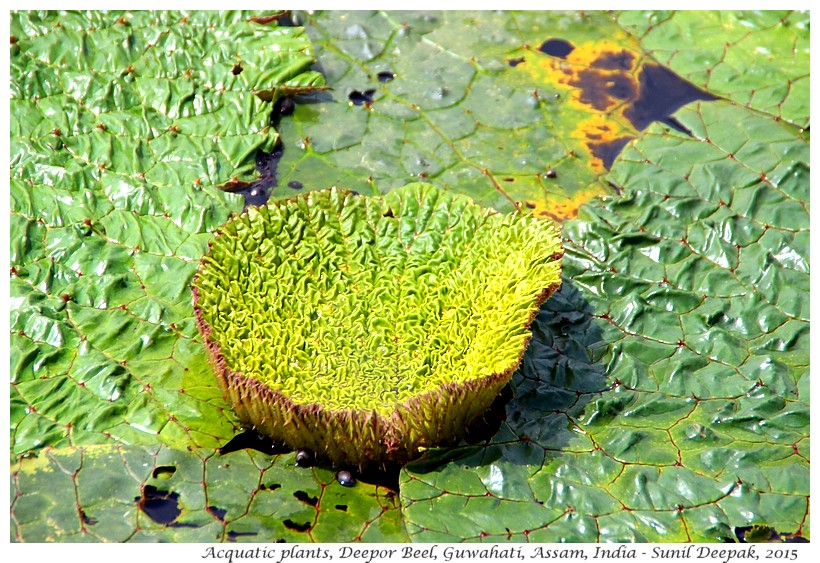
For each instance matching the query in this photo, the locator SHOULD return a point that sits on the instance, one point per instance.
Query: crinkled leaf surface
(367, 328)
(115, 155)
(644, 409)
(377, 300)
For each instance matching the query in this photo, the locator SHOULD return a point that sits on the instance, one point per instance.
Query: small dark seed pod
(345, 478)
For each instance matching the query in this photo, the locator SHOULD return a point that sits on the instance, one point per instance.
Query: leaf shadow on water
(533, 419)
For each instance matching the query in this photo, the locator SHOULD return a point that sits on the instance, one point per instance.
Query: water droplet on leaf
(345, 478)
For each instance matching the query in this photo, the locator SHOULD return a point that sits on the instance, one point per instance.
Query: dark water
(163, 471)
(251, 439)
(258, 192)
(608, 151)
(662, 93)
(218, 513)
(361, 98)
(302, 496)
(296, 526)
(555, 47)
(757, 534)
(161, 506)
(609, 81)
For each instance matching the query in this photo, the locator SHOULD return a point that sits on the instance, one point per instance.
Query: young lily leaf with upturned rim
(368, 329)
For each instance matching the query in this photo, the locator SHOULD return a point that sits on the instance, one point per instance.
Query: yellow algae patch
(603, 81)
(44, 461)
(603, 73)
(561, 206)
(604, 138)
(593, 83)
(35, 464)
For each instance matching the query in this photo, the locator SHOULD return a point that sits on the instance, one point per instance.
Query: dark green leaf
(699, 423)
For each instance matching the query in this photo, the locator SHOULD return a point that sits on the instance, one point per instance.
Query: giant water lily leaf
(692, 420)
(122, 125)
(644, 409)
(523, 110)
(366, 328)
(148, 494)
(416, 96)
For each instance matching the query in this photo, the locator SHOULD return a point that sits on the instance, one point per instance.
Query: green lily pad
(478, 102)
(156, 494)
(122, 126)
(418, 98)
(675, 380)
(369, 329)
